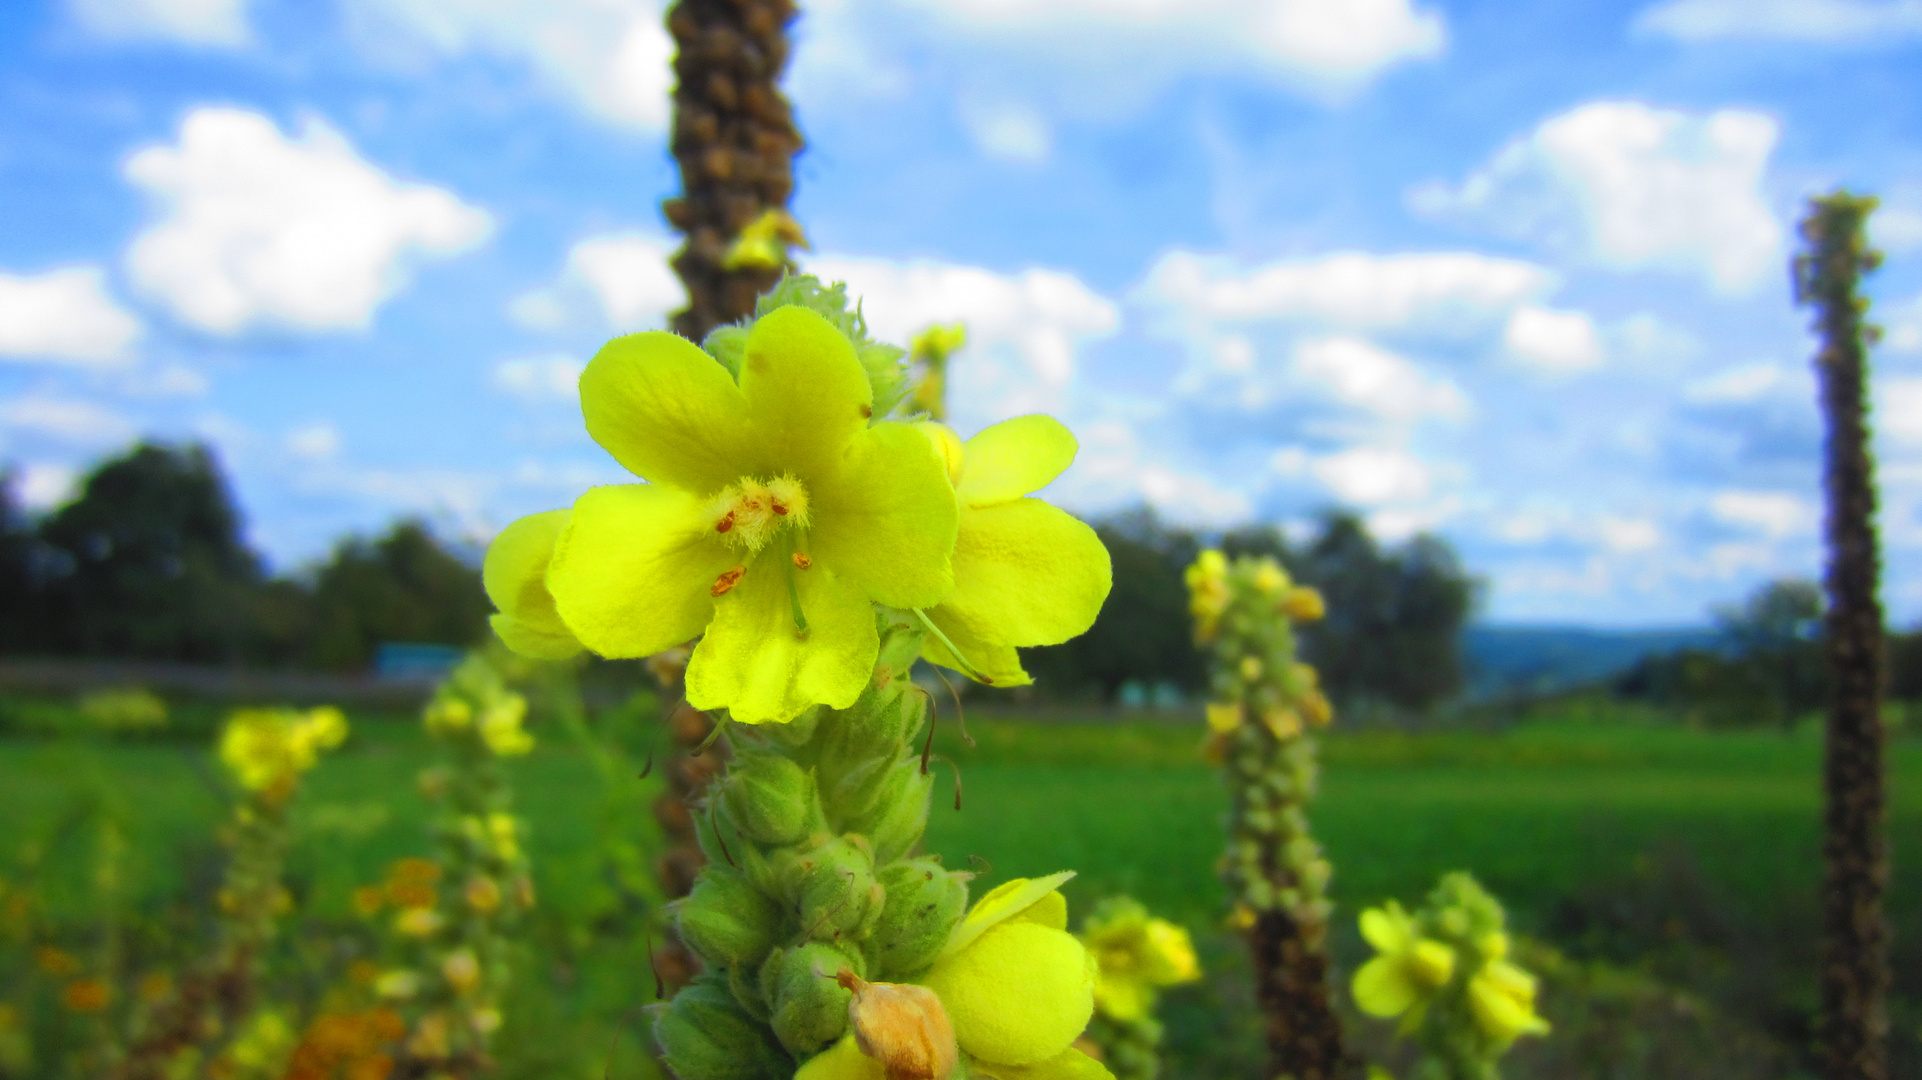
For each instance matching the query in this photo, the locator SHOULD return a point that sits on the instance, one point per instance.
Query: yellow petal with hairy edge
(1026, 573)
(1008, 900)
(1388, 928)
(756, 665)
(1000, 663)
(842, 1061)
(668, 412)
(1069, 1064)
(1014, 458)
(1382, 987)
(887, 518)
(1019, 994)
(515, 577)
(633, 569)
(807, 394)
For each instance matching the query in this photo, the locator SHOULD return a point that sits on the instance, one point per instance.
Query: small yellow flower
(1303, 604)
(1270, 578)
(268, 749)
(483, 895)
(500, 727)
(764, 242)
(461, 970)
(1135, 955)
(1407, 969)
(1208, 594)
(399, 983)
(1502, 997)
(1283, 723)
(418, 922)
(1223, 716)
(1250, 668)
(504, 831)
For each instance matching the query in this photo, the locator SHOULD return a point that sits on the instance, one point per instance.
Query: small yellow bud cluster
(266, 750)
(1444, 972)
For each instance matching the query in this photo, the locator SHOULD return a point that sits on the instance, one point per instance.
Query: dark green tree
(18, 597)
(148, 562)
(1393, 630)
(402, 587)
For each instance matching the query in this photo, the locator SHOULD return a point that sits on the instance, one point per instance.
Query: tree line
(149, 562)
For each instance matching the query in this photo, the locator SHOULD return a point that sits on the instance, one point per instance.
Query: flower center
(751, 512)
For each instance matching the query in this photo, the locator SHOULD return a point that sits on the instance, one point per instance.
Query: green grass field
(1638, 843)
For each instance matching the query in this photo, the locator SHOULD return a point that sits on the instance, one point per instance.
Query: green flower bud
(727, 921)
(839, 896)
(923, 904)
(808, 1009)
(901, 813)
(704, 1035)
(769, 798)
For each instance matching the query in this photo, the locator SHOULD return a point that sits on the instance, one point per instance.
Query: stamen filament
(794, 602)
(971, 671)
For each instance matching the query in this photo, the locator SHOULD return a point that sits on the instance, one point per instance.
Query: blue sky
(1511, 272)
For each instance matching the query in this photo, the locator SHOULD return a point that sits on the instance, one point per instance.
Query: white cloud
(191, 22)
(1629, 535)
(1008, 132)
(545, 377)
(1634, 186)
(67, 420)
(1561, 341)
(1736, 386)
(626, 275)
(1115, 470)
(1814, 21)
(1024, 329)
(43, 485)
(1896, 229)
(1774, 514)
(1373, 475)
(317, 441)
(612, 57)
(1351, 288)
(1898, 409)
(1377, 380)
(1902, 325)
(257, 228)
(1330, 48)
(64, 315)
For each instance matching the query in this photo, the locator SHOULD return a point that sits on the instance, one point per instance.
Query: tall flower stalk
(451, 917)
(1263, 706)
(735, 138)
(818, 548)
(1855, 967)
(212, 1014)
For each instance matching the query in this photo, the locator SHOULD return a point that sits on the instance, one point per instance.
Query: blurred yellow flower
(268, 749)
(1502, 997)
(1136, 955)
(1207, 593)
(1223, 716)
(500, 727)
(1407, 969)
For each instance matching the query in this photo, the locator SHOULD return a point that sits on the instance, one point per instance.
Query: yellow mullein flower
(1135, 955)
(1017, 990)
(1407, 969)
(775, 515)
(1502, 998)
(268, 749)
(1223, 716)
(515, 577)
(763, 244)
(1208, 593)
(500, 727)
(1025, 573)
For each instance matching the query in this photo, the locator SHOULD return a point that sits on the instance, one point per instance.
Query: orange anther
(727, 581)
(725, 523)
(778, 508)
(802, 562)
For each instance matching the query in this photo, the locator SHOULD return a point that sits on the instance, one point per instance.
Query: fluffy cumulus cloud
(1378, 381)
(548, 377)
(611, 57)
(255, 228)
(64, 316)
(68, 421)
(1552, 340)
(1632, 186)
(1024, 329)
(1815, 21)
(191, 22)
(317, 441)
(1408, 291)
(1773, 514)
(624, 278)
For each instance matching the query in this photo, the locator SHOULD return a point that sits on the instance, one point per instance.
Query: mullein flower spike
(1264, 707)
(1444, 971)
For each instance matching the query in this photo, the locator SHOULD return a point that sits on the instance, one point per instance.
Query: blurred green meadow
(1671, 874)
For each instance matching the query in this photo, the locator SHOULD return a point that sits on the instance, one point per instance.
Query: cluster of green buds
(450, 918)
(1135, 956)
(212, 1020)
(819, 536)
(1444, 972)
(1263, 704)
(929, 353)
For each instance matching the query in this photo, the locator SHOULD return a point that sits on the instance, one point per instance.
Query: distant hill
(1545, 659)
